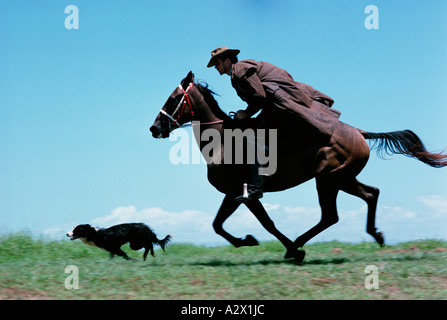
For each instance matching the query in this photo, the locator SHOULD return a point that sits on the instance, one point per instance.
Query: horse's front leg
(227, 208)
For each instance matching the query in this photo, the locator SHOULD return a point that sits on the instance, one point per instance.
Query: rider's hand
(241, 115)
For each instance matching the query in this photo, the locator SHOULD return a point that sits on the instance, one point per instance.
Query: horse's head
(176, 111)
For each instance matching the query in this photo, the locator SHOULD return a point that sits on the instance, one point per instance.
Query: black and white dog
(111, 239)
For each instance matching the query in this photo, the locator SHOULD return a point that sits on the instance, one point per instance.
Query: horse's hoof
(297, 255)
(250, 241)
(290, 254)
(380, 239)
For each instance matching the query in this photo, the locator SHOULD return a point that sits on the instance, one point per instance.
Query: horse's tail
(405, 142)
(163, 243)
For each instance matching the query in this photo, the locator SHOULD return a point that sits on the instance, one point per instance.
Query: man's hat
(219, 52)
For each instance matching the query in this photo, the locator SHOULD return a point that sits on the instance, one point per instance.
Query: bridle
(182, 106)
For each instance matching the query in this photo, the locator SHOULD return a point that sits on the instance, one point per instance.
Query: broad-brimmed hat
(219, 52)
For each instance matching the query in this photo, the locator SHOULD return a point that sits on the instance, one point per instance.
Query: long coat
(263, 85)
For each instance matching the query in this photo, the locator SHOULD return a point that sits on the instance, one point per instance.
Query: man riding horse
(273, 90)
(312, 144)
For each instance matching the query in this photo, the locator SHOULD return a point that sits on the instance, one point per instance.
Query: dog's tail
(164, 242)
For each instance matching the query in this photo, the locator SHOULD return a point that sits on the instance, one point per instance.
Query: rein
(182, 104)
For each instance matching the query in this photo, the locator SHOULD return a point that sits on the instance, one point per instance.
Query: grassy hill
(35, 269)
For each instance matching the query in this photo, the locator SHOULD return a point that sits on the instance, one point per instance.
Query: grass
(35, 269)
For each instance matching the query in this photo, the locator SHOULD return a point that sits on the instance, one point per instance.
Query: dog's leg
(146, 251)
(119, 252)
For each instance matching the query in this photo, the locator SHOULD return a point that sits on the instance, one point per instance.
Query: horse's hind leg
(327, 196)
(370, 195)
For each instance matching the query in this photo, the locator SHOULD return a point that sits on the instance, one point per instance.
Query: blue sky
(76, 105)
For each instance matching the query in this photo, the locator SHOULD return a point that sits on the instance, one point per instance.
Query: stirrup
(247, 196)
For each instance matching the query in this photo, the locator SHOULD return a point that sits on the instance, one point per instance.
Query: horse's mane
(208, 96)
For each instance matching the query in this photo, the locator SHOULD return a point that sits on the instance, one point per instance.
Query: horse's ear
(189, 79)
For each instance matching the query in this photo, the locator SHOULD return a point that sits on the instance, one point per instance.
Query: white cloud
(403, 224)
(271, 207)
(435, 202)
(300, 210)
(396, 212)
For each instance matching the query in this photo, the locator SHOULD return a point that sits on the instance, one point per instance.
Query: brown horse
(334, 163)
